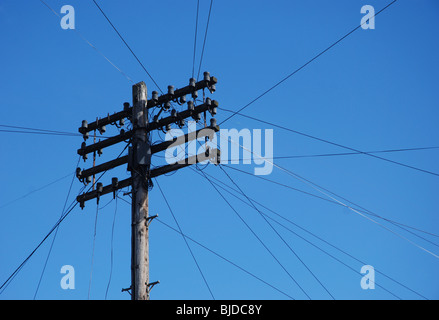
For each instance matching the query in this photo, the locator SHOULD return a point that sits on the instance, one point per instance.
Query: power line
(56, 232)
(9, 279)
(364, 210)
(193, 68)
(93, 250)
(48, 133)
(291, 231)
(41, 131)
(304, 65)
(111, 251)
(225, 259)
(90, 44)
(256, 236)
(235, 191)
(218, 255)
(126, 44)
(278, 234)
(317, 187)
(335, 144)
(36, 190)
(187, 244)
(321, 155)
(337, 248)
(60, 133)
(38, 132)
(205, 38)
(195, 38)
(328, 193)
(70, 209)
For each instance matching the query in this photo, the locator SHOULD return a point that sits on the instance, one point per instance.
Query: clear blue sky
(375, 90)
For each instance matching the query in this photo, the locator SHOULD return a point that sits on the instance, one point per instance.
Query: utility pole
(141, 160)
(138, 160)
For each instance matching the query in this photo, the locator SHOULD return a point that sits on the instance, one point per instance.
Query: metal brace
(127, 194)
(149, 220)
(151, 285)
(127, 290)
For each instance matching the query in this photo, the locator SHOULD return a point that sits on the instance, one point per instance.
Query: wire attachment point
(149, 220)
(151, 285)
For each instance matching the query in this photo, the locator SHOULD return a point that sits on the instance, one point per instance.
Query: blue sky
(376, 90)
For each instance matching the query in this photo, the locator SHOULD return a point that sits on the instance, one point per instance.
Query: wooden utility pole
(138, 159)
(141, 160)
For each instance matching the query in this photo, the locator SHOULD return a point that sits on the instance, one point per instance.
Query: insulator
(85, 136)
(218, 157)
(183, 99)
(88, 180)
(78, 173)
(167, 105)
(206, 76)
(102, 129)
(195, 94)
(190, 106)
(84, 124)
(168, 127)
(213, 80)
(181, 123)
(155, 96)
(126, 106)
(212, 88)
(121, 122)
(171, 90)
(99, 189)
(196, 117)
(192, 82)
(114, 182)
(100, 152)
(83, 146)
(174, 113)
(213, 122)
(210, 107)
